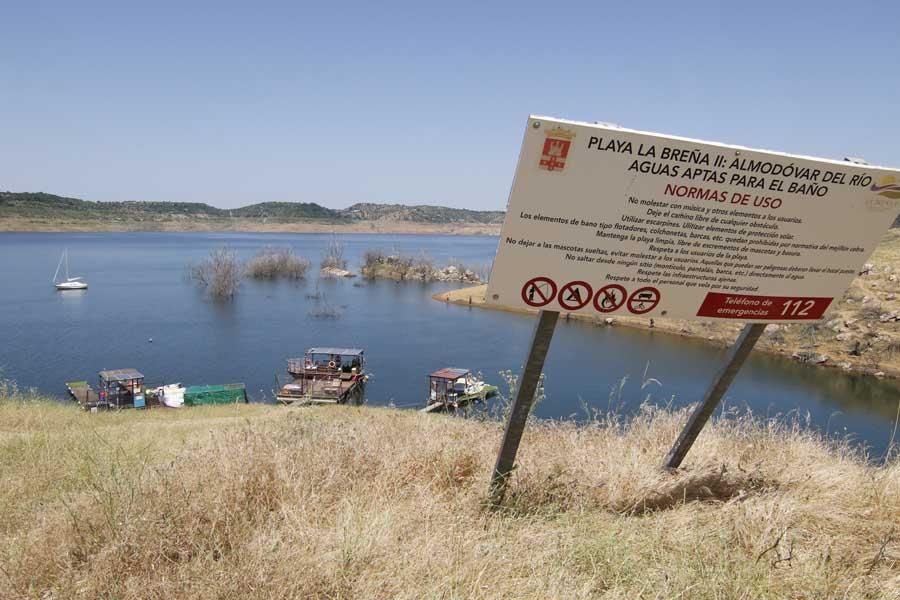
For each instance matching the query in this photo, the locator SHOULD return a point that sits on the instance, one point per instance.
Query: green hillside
(286, 211)
(48, 207)
(26, 204)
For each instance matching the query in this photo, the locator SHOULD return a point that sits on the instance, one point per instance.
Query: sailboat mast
(67, 263)
(58, 265)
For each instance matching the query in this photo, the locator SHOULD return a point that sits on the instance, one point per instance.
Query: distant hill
(285, 210)
(422, 214)
(28, 204)
(44, 210)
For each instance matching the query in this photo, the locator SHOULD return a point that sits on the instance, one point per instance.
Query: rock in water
(335, 272)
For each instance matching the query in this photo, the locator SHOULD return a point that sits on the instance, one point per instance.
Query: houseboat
(118, 388)
(325, 376)
(124, 388)
(449, 389)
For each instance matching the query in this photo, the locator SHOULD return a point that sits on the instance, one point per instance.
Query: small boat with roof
(451, 388)
(117, 388)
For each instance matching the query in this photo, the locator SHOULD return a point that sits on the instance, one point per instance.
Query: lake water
(138, 291)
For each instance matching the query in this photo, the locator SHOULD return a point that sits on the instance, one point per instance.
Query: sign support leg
(528, 381)
(737, 354)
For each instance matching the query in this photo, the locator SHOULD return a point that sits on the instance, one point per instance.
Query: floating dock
(82, 393)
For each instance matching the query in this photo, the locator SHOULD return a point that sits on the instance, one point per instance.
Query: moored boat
(116, 388)
(70, 283)
(325, 375)
(171, 395)
(452, 388)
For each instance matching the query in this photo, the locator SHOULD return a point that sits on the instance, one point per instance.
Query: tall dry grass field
(269, 502)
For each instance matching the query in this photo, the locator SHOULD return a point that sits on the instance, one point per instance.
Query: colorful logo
(887, 186)
(556, 149)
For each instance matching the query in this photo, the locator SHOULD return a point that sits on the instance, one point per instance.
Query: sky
(419, 102)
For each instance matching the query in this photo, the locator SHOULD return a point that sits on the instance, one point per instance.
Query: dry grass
(269, 502)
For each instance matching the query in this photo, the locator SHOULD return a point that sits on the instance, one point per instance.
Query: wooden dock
(320, 391)
(82, 393)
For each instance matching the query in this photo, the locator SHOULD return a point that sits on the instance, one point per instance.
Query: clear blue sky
(419, 102)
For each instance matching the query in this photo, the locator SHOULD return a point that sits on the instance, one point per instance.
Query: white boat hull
(171, 396)
(71, 285)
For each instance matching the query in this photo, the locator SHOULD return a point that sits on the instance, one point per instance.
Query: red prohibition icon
(610, 298)
(575, 295)
(643, 300)
(539, 291)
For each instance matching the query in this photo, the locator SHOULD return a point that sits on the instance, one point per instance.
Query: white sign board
(610, 221)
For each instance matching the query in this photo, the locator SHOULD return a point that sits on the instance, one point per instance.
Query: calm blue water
(138, 291)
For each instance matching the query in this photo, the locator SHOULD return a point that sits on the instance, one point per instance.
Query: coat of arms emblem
(556, 149)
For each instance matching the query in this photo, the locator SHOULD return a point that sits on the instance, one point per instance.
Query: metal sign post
(515, 426)
(737, 354)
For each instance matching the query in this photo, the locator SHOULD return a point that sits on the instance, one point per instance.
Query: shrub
(421, 268)
(334, 255)
(273, 263)
(322, 308)
(400, 267)
(371, 259)
(219, 273)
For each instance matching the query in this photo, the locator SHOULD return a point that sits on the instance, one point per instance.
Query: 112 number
(797, 308)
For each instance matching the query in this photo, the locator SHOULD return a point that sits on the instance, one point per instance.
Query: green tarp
(214, 394)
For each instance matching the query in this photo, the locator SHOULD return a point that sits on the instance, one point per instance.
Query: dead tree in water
(334, 255)
(219, 273)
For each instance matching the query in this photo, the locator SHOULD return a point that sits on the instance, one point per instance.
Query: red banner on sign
(742, 307)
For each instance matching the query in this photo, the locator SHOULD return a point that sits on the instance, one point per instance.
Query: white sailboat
(70, 283)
